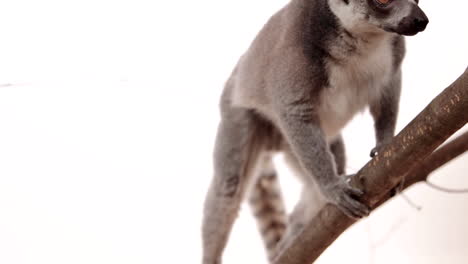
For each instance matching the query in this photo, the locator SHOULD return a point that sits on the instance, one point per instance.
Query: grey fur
(314, 65)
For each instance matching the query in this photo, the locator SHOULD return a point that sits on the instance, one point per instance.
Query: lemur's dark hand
(344, 196)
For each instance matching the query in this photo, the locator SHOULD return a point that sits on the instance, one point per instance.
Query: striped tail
(268, 208)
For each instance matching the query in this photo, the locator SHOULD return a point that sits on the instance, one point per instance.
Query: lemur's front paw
(346, 197)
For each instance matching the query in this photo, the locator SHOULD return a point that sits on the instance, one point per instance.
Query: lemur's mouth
(405, 30)
(409, 33)
(402, 32)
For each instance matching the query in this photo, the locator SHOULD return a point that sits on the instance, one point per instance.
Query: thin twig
(444, 189)
(410, 202)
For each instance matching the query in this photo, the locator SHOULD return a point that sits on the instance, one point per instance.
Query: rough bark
(409, 154)
(436, 160)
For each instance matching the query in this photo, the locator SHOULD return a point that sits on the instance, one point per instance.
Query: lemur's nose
(420, 25)
(420, 19)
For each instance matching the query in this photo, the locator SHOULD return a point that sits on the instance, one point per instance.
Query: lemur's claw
(378, 149)
(346, 198)
(374, 152)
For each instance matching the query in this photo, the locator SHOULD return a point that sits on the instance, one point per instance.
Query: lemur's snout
(414, 23)
(420, 19)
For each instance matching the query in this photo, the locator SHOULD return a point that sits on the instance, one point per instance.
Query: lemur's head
(403, 17)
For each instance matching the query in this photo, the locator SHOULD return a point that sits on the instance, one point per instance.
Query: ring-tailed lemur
(314, 65)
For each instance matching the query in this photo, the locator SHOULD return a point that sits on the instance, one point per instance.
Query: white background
(108, 111)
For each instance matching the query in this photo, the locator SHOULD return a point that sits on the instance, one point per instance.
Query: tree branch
(407, 155)
(437, 159)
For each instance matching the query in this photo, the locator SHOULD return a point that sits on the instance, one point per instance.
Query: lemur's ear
(346, 2)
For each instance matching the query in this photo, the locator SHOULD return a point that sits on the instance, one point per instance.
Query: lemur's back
(255, 71)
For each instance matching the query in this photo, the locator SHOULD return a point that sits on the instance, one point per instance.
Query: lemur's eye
(383, 2)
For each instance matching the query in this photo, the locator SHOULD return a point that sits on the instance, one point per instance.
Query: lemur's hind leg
(311, 199)
(337, 148)
(307, 206)
(267, 206)
(237, 150)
